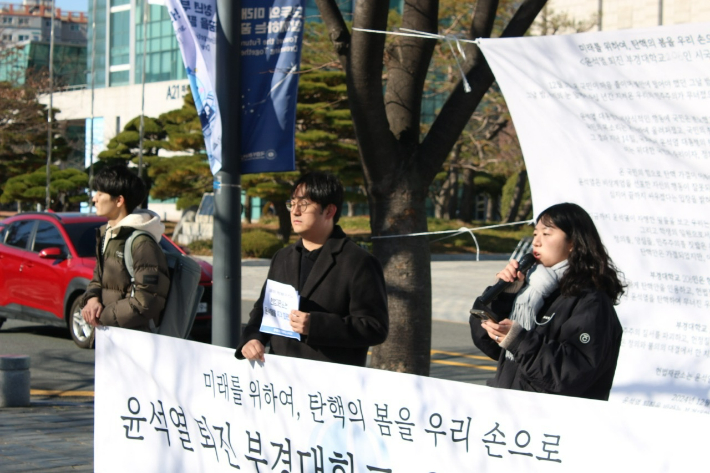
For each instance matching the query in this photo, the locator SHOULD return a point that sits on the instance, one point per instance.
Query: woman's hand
(497, 331)
(510, 273)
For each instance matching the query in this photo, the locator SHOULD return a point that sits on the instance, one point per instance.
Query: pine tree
(67, 188)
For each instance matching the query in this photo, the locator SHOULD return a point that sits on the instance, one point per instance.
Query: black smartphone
(483, 312)
(479, 314)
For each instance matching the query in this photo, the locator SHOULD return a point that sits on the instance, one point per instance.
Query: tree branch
(364, 81)
(460, 105)
(407, 61)
(337, 29)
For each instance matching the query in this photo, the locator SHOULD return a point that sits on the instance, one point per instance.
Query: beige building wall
(624, 14)
(119, 105)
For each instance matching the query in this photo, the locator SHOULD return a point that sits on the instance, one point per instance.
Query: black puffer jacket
(111, 282)
(572, 350)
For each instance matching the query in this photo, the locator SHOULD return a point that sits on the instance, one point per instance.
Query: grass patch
(200, 247)
(260, 244)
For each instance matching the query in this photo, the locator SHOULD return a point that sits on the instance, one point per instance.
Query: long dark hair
(589, 262)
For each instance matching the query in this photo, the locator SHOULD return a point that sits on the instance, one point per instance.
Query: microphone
(492, 292)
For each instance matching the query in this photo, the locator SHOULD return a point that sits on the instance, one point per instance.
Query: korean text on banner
(618, 122)
(172, 405)
(272, 34)
(195, 25)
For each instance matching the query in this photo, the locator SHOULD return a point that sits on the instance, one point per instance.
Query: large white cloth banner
(170, 405)
(619, 122)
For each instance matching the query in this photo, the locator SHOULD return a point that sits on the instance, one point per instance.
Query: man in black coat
(343, 303)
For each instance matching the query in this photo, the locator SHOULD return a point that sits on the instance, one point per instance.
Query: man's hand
(253, 350)
(92, 311)
(300, 321)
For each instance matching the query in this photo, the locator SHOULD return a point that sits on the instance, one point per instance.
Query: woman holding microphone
(560, 333)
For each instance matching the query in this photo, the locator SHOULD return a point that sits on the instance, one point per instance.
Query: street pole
(600, 12)
(227, 241)
(93, 85)
(142, 127)
(48, 199)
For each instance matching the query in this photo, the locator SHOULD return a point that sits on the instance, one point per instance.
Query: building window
(7, 20)
(22, 37)
(23, 21)
(118, 78)
(163, 59)
(120, 38)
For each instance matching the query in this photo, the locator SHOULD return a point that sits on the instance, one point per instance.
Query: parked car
(46, 263)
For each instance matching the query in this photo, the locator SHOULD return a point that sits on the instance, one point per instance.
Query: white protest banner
(169, 405)
(279, 300)
(618, 122)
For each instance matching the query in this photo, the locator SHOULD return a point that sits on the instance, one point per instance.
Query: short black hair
(322, 188)
(119, 180)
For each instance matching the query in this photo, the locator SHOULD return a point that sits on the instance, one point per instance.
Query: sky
(72, 5)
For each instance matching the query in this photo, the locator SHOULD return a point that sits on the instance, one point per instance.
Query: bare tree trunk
(452, 209)
(496, 208)
(442, 199)
(525, 209)
(351, 209)
(468, 201)
(408, 280)
(247, 208)
(284, 231)
(490, 208)
(517, 196)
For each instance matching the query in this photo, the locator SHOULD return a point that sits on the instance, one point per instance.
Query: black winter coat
(345, 295)
(572, 350)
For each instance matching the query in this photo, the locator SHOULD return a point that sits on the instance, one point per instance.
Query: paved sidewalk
(52, 435)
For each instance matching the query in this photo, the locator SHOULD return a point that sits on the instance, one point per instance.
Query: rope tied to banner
(450, 40)
(454, 233)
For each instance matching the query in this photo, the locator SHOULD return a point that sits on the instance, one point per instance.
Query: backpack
(184, 294)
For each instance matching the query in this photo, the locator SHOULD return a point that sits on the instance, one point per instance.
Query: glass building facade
(120, 44)
(69, 63)
(163, 59)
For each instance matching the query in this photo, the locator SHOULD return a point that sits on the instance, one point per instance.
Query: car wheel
(81, 332)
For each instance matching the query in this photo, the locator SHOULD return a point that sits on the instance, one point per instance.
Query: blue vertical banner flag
(195, 25)
(272, 34)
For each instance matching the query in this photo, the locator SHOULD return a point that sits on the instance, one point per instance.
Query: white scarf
(541, 282)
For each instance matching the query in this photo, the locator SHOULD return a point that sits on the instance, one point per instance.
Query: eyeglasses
(302, 205)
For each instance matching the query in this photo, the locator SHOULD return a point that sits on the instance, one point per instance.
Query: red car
(46, 263)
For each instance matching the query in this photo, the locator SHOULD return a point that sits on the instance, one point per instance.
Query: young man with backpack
(112, 297)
